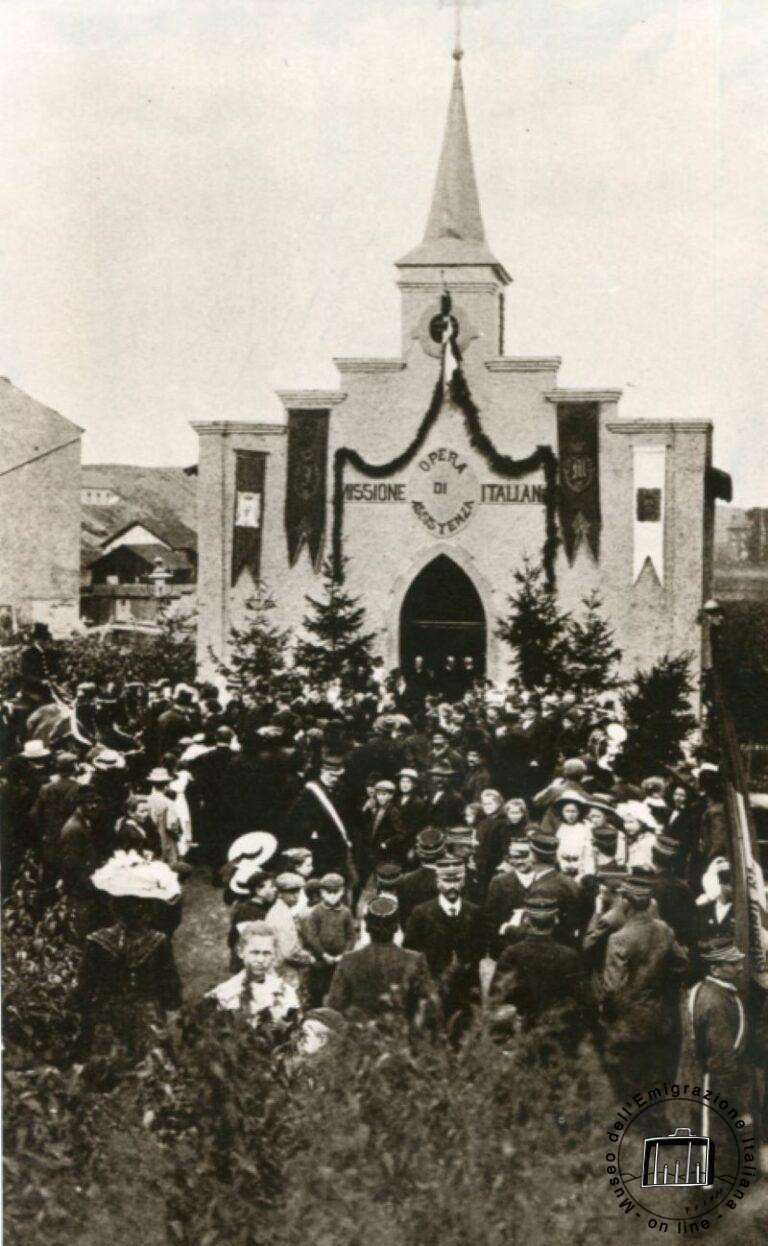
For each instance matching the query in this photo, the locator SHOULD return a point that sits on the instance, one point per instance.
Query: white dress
(273, 993)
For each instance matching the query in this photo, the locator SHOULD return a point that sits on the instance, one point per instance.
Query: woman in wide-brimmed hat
(128, 979)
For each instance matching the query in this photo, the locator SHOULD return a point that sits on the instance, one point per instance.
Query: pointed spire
(455, 234)
(455, 211)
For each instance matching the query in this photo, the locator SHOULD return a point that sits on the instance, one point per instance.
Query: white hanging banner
(650, 465)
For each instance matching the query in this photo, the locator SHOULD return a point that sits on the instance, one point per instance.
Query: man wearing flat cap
(381, 977)
(385, 838)
(542, 979)
(640, 995)
(449, 931)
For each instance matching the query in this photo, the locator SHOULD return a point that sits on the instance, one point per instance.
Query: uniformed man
(718, 1022)
(449, 931)
(543, 979)
(421, 884)
(382, 977)
(640, 1005)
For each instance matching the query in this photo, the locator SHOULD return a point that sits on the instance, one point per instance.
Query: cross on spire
(458, 6)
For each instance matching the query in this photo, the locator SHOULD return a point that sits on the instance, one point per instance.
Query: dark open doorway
(442, 614)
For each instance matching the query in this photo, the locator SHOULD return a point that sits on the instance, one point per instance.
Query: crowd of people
(391, 845)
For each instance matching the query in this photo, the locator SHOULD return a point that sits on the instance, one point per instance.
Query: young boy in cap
(292, 957)
(328, 931)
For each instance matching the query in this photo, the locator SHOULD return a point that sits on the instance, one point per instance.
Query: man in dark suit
(446, 805)
(56, 801)
(640, 1004)
(420, 884)
(548, 881)
(542, 979)
(411, 806)
(39, 665)
(382, 977)
(385, 837)
(318, 821)
(449, 931)
(674, 899)
(507, 895)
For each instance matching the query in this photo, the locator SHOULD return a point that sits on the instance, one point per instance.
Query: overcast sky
(201, 201)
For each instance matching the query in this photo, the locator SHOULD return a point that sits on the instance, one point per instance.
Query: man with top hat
(640, 995)
(319, 820)
(718, 1022)
(449, 931)
(39, 665)
(542, 978)
(421, 884)
(382, 977)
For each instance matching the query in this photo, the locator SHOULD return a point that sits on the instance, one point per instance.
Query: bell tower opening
(442, 614)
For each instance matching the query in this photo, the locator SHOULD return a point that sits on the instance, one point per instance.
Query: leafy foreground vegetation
(227, 1138)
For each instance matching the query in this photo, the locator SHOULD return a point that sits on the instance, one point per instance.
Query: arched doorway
(442, 614)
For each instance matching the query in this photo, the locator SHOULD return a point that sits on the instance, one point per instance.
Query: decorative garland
(543, 457)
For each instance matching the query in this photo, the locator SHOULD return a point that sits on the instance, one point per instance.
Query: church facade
(436, 474)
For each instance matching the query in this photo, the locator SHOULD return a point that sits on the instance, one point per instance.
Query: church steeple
(455, 234)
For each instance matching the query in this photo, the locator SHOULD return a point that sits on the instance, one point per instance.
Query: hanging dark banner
(305, 491)
(250, 471)
(579, 493)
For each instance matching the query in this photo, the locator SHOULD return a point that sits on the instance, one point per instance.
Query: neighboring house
(39, 513)
(741, 554)
(139, 542)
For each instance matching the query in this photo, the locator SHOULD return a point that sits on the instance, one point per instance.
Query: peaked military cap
(722, 951)
(666, 847)
(430, 843)
(388, 872)
(543, 844)
(382, 909)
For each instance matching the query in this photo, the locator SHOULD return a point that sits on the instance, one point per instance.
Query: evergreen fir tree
(658, 716)
(258, 649)
(536, 630)
(335, 622)
(592, 656)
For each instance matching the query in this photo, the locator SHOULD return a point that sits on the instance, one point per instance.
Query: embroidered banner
(250, 470)
(579, 493)
(305, 491)
(650, 465)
